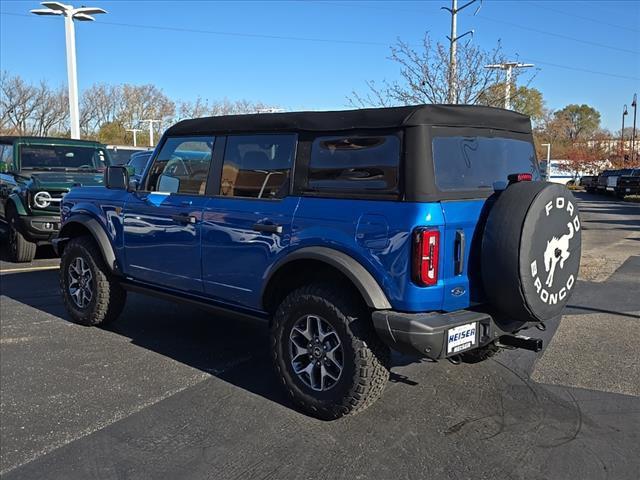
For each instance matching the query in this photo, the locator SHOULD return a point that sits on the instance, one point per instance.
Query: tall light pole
(546, 170)
(134, 131)
(624, 114)
(453, 43)
(70, 14)
(508, 66)
(634, 157)
(151, 122)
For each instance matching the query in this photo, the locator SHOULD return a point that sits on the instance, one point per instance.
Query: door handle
(459, 255)
(267, 228)
(184, 218)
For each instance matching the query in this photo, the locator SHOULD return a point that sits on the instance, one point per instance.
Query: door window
(257, 166)
(182, 166)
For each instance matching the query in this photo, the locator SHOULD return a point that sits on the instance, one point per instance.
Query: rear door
(163, 223)
(247, 223)
(468, 161)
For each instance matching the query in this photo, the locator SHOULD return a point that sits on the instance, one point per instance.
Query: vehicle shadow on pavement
(232, 350)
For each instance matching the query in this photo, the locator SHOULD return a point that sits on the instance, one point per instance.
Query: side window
(6, 157)
(182, 166)
(257, 166)
(367, 164)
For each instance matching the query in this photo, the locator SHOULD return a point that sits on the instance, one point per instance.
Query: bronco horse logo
(557, 251)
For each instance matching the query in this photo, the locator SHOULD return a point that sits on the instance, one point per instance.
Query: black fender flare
(98, 234)
(366, 284)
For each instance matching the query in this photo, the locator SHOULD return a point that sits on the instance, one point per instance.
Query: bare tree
(17, 101)
(424, 75)
(31, 109)
(195, 109)
(51, 110)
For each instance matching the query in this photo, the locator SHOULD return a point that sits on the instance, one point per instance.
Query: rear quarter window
(354, 164)
(464, 163)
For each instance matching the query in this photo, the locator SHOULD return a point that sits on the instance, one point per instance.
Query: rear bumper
(426, 334)
(623, 190)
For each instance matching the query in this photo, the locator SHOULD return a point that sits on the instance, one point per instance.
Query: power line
(558, 35)
(230, 34)
(583, 70)
(283, 37)
(581, 17)
(516, 25)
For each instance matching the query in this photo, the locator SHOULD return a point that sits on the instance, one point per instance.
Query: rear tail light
(426, 250)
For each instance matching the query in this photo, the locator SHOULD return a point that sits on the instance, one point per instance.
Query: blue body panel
(159, 249)
(223, 258)
(234, 254)
(378, 235)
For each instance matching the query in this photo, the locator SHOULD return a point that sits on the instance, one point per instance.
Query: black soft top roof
(371, 118)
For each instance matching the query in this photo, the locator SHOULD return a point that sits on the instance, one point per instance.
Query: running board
(195, 301)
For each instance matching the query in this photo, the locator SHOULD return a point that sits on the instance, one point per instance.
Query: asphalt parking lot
(169, 392)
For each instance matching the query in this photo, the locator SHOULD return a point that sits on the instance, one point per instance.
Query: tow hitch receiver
(520, 341)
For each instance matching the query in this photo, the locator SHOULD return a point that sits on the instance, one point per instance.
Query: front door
(247, 224)
(163, 221)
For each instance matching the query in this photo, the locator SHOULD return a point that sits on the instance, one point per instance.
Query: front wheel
(91, 295)
(326, 352)
(20, 249)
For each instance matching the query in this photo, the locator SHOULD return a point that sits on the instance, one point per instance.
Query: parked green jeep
(35, 173)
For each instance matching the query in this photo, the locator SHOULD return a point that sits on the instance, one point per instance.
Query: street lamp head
(89, 11)
(635, 100)
(60, 7)
(83, 17)
(45, 11)
(56, 8)
(624, 110)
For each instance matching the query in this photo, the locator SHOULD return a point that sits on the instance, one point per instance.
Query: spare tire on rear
(530, 255)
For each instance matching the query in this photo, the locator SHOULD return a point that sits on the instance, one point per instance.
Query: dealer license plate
(462, 337)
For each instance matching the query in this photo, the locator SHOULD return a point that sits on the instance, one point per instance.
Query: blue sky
(599, 36)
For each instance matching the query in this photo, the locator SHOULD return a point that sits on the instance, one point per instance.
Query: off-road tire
(366, 358)
(108, 297)
(21, 250)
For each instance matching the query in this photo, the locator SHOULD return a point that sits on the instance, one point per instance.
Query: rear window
(355, 163)
(479, 162)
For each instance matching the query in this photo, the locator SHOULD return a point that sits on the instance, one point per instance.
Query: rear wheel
(20, 249)
(91, 295)
(326, 353)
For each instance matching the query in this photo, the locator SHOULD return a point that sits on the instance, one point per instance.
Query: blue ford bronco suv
(423, 229)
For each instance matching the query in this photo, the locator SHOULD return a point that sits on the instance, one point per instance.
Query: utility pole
(453, 40)
(151, 122)
(624, 114)
(134, 131)
(70, 14)
(508, 67)
(634, 157)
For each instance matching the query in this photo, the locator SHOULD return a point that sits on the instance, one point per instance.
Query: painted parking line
(28, 269)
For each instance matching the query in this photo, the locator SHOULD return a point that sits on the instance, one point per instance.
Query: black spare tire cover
(530, 255)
